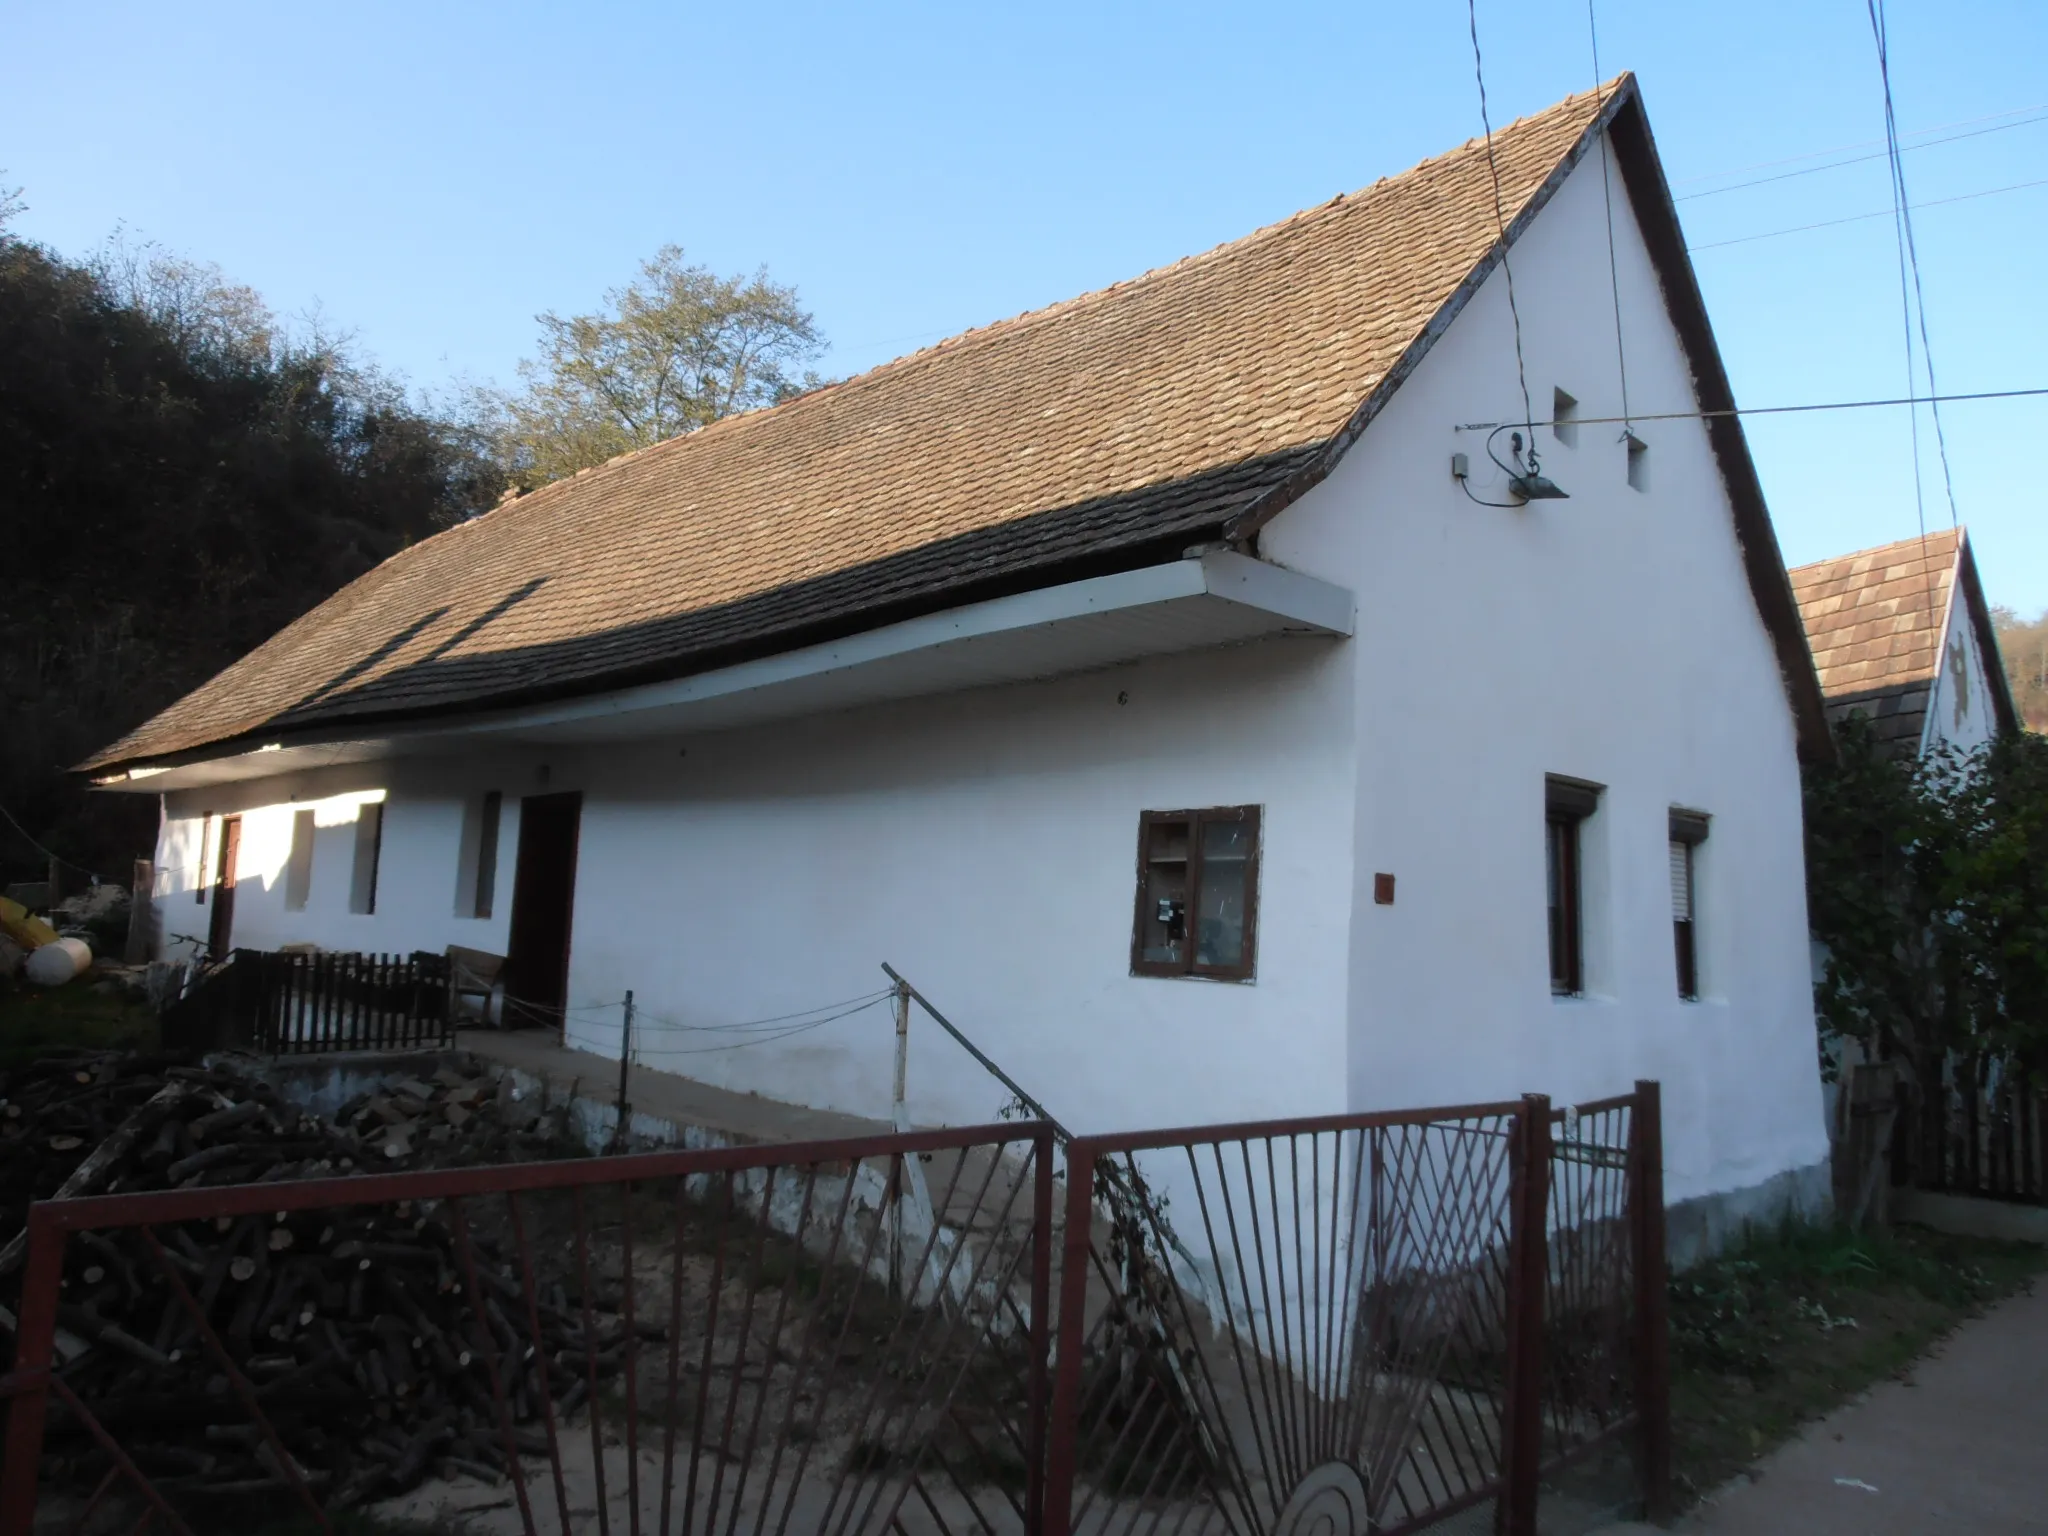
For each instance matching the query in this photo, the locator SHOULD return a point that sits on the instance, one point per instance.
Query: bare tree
(675, 350)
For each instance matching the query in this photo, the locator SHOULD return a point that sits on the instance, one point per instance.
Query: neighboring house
(1901, 634)
(1136, 676)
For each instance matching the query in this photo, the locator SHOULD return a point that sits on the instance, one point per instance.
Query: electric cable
(761, 1039)
(1836, 149)
(1835, 165)
(1772, 410)
(1607, 193)
(751, 1026)
(1499, 216)
(39, 848)
(1858, 218)
(1880, 33)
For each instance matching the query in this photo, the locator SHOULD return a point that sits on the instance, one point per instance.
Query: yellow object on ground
(27, 930)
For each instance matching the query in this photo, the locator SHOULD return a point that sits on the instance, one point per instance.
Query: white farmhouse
(1901, 634)
(1138, 677)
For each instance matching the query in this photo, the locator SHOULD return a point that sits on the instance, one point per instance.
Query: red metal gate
(1356, 1323)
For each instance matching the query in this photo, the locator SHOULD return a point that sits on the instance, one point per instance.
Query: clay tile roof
(1875, 620)
(1110, 430)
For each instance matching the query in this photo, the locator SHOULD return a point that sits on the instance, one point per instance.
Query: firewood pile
(354, 1327)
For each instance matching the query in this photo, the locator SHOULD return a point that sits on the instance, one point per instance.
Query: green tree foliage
(1928, 886)
(674, 351)
(2024, 645)
(182, 475)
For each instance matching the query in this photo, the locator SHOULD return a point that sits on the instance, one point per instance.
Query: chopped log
(86, 1177)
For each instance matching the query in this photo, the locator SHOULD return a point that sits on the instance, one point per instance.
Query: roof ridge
(1006, 324)
(1959, 532)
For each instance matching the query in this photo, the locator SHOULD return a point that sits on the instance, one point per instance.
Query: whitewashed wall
(1959, 711)
(985, 844)
(1609, 637)
(419, 905)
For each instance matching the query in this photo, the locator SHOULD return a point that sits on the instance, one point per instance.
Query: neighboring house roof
(1876, 621)
(1101, 434)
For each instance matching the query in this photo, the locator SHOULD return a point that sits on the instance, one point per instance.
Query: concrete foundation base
(1699, 1228)
(1969, 1216)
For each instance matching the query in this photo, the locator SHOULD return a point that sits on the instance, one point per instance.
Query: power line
(1835, 165)
(1858, 218)
(1775, 410)
(1607, 192)
(1836, 149)
(1875, 8)
(39, 848)
(1499, 217)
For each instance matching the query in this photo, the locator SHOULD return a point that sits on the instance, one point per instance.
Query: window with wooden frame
(1566, 805)
(1688, 831)
(1198, 893)
(362, 890)
(298, 867)
(477, 855)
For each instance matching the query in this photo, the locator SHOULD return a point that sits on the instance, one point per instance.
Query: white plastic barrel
(51, 965)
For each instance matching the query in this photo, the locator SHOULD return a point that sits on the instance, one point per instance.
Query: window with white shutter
(1688, 831)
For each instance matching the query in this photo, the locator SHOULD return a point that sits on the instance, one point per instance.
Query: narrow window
(1638, 462)
(205, 835)
(487, 853)
(1564, 418)
(1198, 887)
(362, 890)
(298, 869)
(1566, 805)
(1688, 831)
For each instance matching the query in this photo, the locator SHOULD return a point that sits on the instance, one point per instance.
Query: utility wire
(750, 1026)
(1607, 192)
(766, 1038)
(39, 848)
(1499, 217)
(1905, 295)
(1858, 218)
(1835, 165)
(1836, 149)
(1775, 410)
(1875, 8)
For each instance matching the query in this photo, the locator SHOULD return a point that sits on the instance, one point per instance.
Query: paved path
(1960, 1446)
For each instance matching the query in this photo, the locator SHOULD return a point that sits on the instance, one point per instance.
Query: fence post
(1528, 1273)
(1038, 1388)
(1653, 1338)
(34, 1343)
(625, 1065)
(1065, 1426)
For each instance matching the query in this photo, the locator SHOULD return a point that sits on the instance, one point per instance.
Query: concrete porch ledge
(665, 1107)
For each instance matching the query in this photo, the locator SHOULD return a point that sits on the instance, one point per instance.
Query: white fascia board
(1217, 598)
(1248, 597)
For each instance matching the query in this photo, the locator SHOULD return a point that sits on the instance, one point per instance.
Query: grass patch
(35, 1022)
(1796, 1322)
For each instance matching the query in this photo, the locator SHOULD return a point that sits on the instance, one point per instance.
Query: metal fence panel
(844, 1336)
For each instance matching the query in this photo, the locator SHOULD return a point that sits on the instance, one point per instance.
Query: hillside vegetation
(181, 476)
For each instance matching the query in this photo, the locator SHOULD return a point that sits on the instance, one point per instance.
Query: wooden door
(543, 909)
(220, 928)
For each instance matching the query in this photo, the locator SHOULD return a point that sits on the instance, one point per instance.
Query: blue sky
(431, 176)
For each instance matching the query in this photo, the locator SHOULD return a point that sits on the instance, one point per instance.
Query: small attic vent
(1564, 418)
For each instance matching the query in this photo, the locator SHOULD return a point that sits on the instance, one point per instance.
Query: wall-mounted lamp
(1526, 480)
